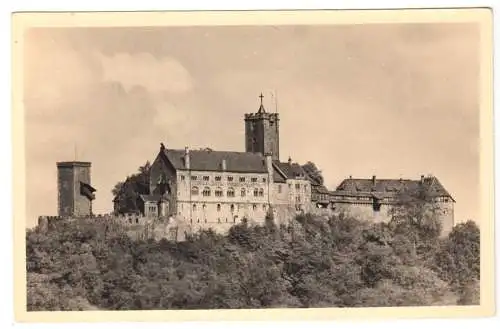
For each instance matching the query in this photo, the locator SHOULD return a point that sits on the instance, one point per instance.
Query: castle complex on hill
(216, 189)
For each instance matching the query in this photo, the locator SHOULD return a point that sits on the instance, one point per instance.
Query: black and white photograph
(241, 166)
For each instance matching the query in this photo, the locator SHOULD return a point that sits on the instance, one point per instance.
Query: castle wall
(364, 211)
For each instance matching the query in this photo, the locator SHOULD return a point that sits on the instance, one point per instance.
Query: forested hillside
(342, 262)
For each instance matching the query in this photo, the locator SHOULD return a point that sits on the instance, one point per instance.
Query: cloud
(143, 69)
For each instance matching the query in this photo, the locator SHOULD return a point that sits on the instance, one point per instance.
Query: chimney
(224, 165)
(422, 177)
(289, 160)
(350, 176)
(187, 160)
(374, 180)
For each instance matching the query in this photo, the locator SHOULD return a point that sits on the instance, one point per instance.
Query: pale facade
(375, 199)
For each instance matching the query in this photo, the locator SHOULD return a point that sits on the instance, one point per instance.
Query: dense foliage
(340, 262)
(127, 192)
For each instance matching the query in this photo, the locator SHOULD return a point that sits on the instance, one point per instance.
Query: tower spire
(261, 108)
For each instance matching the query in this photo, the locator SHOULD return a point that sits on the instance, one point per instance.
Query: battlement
(71, 164)
(262, 115)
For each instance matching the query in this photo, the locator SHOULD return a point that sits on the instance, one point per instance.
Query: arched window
(218, 207)
(254, 207)
(230, 192)
(194, 190)
(232, 208)
(194, 207)
(204, 207)
(261, 192)
(256, 192)
(243, 192)
(218, 192)
(206, 191)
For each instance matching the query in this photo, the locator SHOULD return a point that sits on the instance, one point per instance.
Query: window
(206, 178)
(204, 207)
(254, 179)
(264, 207)
(230, 178)
(243, 192)
(218, 192)
(232, 208)
(194, 207)
(264, 179)
(230, 192)
(261, 192)
(297, 199)
(206, 191)
(297, 186)
(279, 188)
(271, 123)
(194, 177)
(217, 178)
(254, 207)
(256, 192)
(242, 179)
(194, 190)
(218, 207)
(182, 177)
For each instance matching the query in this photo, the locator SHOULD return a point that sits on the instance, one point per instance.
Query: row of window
(257, 192)
(231, 207)
(219, 178)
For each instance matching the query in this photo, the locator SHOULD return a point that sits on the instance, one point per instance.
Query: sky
(391, 100)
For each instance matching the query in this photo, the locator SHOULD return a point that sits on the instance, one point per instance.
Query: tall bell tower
(262, 132)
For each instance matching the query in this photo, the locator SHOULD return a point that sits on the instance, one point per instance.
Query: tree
(128, 192)
(312, 170)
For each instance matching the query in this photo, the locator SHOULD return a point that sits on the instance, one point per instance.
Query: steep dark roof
(209, 160)
(389, 187)
(291, 170)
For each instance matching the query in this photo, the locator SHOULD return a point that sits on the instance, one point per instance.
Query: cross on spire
(261, 108)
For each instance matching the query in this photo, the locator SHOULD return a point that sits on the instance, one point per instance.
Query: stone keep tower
(75, 194)
(262, 132)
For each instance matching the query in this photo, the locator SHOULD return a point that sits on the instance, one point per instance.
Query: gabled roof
(209, 160)
(380, 188)
(291, 170)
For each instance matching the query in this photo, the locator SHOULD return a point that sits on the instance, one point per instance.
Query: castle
(205, 188)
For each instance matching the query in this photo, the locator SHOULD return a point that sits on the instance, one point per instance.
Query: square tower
(262, 132)
(75, 194)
